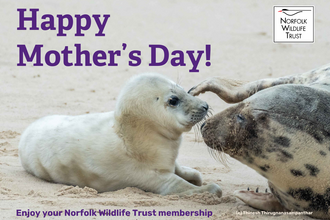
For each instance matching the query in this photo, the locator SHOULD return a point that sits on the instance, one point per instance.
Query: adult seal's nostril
(206, 107)
(202, 125)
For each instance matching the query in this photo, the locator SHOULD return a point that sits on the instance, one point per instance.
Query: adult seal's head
(271, 126)
(283, 133)
(152, 103)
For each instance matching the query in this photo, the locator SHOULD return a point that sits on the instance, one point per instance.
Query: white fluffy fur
(134, 146)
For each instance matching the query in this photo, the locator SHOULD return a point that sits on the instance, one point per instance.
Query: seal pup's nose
(202, 125)
(206, 107)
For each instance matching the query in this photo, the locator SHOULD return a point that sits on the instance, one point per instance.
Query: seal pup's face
(182, 107)
(158, 101)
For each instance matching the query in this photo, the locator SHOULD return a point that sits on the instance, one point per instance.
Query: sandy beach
(240, 35)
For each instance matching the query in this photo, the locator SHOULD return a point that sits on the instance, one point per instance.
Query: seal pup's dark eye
(240, 118)
(173, 101)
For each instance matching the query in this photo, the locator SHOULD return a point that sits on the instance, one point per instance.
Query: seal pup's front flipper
(189, 174)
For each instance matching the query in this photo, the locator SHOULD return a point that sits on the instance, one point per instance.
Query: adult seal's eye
(173, 101)
(240, 118)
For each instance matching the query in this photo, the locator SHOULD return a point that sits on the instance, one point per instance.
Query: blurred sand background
(240, 35)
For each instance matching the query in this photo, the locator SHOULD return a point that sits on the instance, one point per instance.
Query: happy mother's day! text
(75, 55)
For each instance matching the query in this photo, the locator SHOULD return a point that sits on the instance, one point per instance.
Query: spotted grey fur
(281, 128)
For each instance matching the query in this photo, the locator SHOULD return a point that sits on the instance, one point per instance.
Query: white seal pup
(282, 132)
(134, 146)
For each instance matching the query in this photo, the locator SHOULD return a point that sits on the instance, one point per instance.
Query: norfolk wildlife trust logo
(293, 24)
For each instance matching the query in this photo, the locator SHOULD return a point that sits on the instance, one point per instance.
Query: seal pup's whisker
(210, 111)
(197, 127)
(178, 79)
(197, 134)
(198, 131)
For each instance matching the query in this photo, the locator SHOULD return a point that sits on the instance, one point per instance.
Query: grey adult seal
(282, 132)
